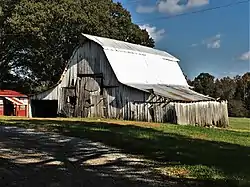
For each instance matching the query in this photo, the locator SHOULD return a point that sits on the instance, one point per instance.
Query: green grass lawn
(184, 152)
(240, 123)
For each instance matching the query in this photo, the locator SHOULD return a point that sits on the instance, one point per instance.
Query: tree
(7, 44)
(246, 90)
(42, 34)
(190, 83)
(235, 90)
(225, 88)
(204, 84)
(236, 108)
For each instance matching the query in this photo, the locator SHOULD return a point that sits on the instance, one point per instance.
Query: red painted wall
(1, 110)
(21, 111)
(1, 107)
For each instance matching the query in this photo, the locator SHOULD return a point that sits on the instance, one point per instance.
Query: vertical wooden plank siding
(202, 113)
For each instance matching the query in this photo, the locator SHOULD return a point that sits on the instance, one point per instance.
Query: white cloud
(197, 3)
(194, 45)
(214, 44)
(211, 43)
(145, 9)
(172, 6)
(245, 56)
(157, 35)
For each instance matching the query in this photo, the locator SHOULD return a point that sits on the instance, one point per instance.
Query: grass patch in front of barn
(240, 124)
(212, 157)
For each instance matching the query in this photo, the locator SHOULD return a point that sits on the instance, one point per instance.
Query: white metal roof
(135, 64)
(116, 44)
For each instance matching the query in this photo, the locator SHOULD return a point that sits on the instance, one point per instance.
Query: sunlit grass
(240, 123)
(183, 151)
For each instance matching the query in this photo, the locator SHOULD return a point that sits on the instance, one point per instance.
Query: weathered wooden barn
(115, 79)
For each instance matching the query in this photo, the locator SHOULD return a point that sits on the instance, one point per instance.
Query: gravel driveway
(31, 158)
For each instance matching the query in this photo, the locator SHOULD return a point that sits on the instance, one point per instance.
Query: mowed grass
(240, 123)
(184, 152)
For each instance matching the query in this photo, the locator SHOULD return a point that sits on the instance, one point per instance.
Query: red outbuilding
(13, 103)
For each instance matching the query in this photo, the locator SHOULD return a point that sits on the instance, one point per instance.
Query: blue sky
(214, 41)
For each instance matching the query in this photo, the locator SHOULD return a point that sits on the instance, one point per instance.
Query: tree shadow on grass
(29, 158)
(169, 149)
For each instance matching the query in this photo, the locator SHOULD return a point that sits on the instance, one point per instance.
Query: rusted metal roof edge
(174, 99)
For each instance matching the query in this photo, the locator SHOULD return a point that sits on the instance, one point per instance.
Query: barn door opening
(44, 108)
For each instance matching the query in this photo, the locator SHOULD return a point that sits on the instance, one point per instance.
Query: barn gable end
(115, 79)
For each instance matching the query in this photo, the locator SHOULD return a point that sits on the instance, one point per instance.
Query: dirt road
(31, 158)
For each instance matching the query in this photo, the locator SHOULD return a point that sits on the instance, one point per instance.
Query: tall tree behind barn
(39, 36)
(114, 79)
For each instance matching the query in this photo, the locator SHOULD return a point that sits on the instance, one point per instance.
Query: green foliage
(7, 44)
(204, 84)
(236, 108)
(38, 36)
(235, 90)
(225, 88)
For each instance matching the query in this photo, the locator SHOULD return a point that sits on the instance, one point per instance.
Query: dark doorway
(9, 109)
(44, 108)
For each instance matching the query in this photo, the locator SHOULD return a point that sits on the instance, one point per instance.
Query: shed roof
(11, 93)
(136, 64)
(176, 93)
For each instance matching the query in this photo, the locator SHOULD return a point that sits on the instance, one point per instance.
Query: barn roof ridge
(108, 43)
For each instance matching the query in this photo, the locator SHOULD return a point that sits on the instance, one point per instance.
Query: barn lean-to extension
(115, 79)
